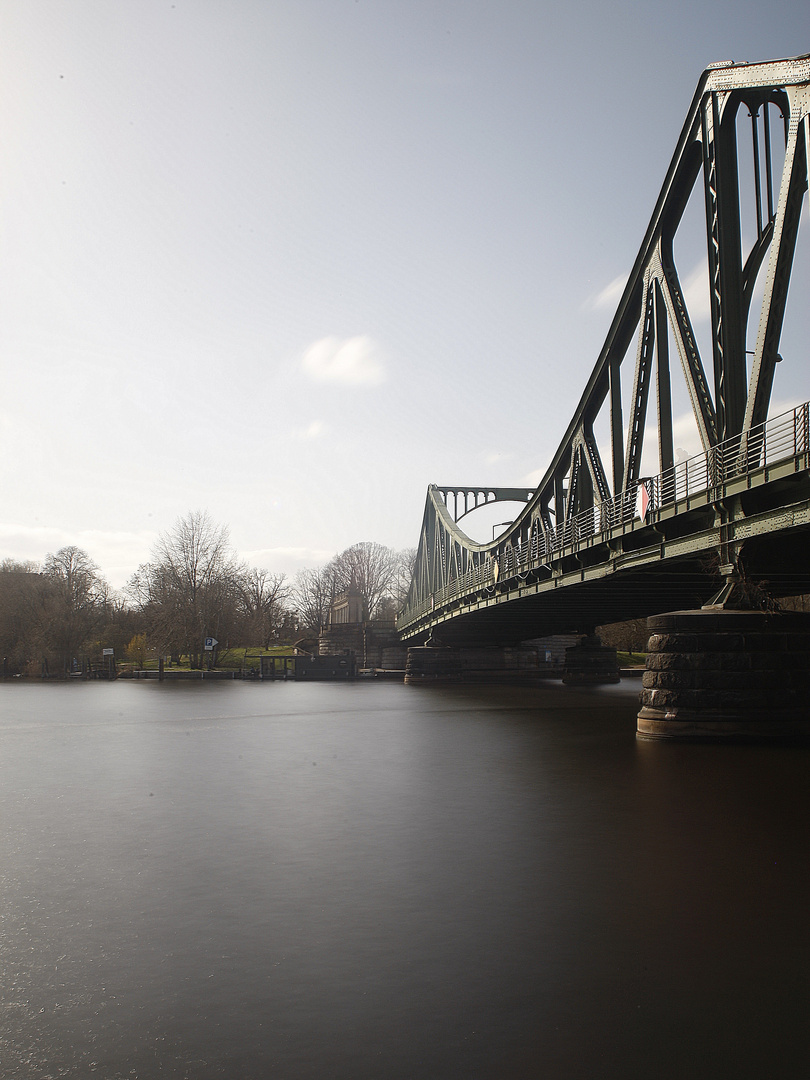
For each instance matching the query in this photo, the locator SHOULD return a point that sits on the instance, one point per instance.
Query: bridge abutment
(725, 674)
(373, 644)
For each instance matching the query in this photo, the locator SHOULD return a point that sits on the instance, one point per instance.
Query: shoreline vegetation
(195, 604)
(240, 660)
(241, 663)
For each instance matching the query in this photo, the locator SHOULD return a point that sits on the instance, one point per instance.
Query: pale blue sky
(291, 262)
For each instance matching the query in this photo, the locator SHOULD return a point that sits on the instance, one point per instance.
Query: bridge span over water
(598, 540)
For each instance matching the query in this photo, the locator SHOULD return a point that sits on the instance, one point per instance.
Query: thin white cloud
(314, 430)
(533, 478)
(287, 560)
(696, 294)
(695, 288)
(117, 553)
(609, 297)
(686, 439)
(685, 435)
(354, 361)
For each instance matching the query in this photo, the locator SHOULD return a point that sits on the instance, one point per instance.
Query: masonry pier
(724, 674)
(431, 664)
(590, 663)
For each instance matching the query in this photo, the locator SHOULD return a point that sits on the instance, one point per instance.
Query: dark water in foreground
(380, 881)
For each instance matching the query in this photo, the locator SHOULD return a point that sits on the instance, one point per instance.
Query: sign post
(109, 661)
(210, 645)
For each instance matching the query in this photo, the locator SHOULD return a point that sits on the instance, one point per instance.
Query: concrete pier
(725, 674)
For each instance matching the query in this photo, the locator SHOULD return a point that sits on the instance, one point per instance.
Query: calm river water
(381, 882)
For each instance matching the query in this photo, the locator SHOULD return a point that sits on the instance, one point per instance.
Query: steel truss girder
(471, 498)
(653, 306)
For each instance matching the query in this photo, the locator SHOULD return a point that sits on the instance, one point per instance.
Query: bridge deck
(635, 566)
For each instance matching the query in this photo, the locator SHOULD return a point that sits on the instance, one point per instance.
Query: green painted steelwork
(577, 527)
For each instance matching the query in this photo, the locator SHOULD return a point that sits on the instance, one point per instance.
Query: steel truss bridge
(586, 551)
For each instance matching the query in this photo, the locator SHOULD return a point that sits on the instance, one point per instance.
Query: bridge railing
(778, 439)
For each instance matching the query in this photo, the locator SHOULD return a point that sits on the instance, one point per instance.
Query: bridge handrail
(775, 440)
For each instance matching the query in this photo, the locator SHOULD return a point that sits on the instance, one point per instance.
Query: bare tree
(77, 575)
(369, 568)
(379, 574)
(188, 591)
(75, 601)
(394, 600)
(406, 560)
(312, 594)
(262, 601)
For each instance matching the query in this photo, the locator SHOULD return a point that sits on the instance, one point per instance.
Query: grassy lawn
(227, 659)
(235, 658)
(631, 659)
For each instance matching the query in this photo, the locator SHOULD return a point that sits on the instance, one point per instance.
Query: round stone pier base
(590, 663)
(431, 665)
(717, 674)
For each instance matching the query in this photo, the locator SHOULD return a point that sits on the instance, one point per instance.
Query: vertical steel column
(666, 454)
(641, 388)
(616, 424)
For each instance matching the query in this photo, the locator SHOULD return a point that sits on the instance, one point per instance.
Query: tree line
(193, 587)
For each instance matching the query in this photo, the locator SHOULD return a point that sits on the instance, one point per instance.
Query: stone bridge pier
(715, 673)
(580, 660)
(428, 664)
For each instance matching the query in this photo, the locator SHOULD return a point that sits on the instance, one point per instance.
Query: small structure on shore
(373, 643)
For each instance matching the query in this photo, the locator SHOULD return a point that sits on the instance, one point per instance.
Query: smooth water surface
(363, 881)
